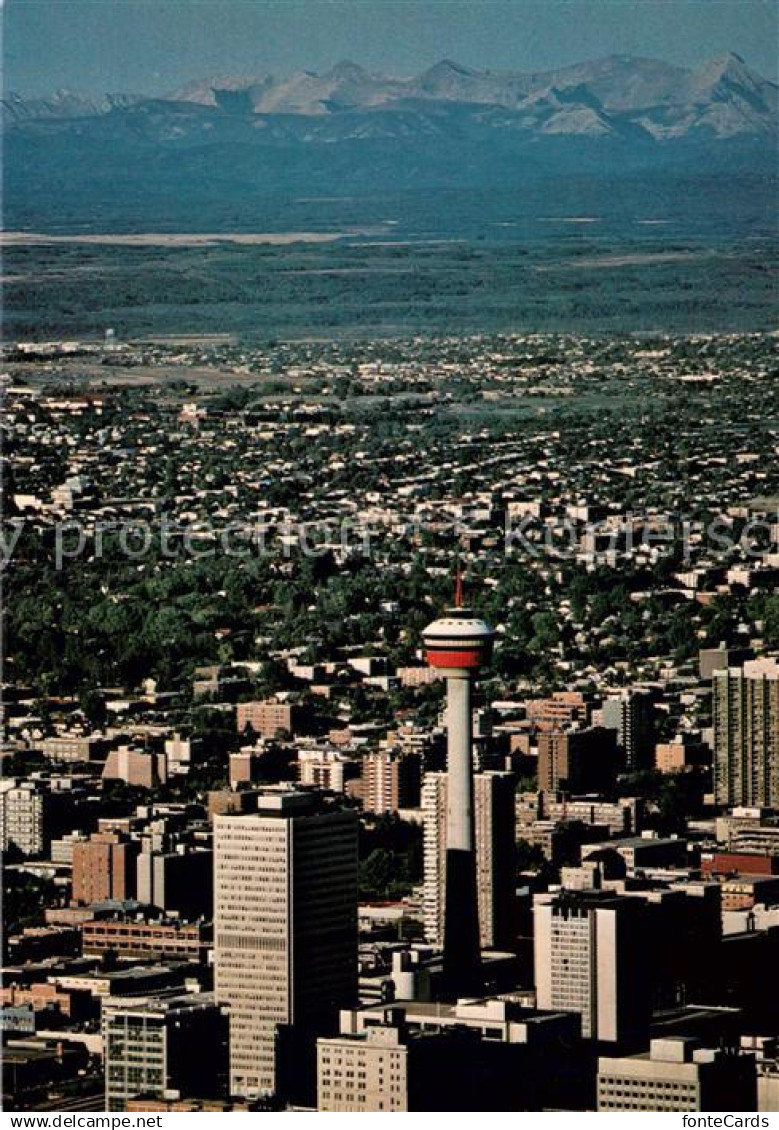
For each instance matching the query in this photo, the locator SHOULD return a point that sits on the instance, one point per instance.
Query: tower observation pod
(459, 645)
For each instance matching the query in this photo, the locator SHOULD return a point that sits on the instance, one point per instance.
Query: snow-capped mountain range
(619, 96)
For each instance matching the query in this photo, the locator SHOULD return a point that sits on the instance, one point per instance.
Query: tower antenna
(458, 586)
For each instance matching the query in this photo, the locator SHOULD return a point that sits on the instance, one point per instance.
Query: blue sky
(153, 46)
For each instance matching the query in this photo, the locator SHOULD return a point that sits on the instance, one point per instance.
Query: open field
(172, 239)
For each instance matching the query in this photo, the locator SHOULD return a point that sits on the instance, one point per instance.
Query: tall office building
(577, 760)
(178, 882)
(746, 734)
(631, 714)
(155, 1046)
(590, 958)
(285, 926)
(494, 827)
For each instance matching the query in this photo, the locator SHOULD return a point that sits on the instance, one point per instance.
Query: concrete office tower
(494, 826)
(632, 716)
(157, 1045)
(178, 882)
(590, 958)
(746, 734)
(577, 760)
(285, 926)
(458, 645)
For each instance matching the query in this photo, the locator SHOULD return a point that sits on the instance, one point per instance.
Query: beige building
(285, 925)
(137, 767)
(766, 1051)
(420, 1055)
(390, 1067)
(181, 753)
(680, 755)
(677, 1075)
(746, 734)
(622, 817)
(577, 761)
(494, 823)
(73, 747)
(564, 708)
(749, 829)
(267, 719)
(417, 676)
(362, 1073)
(226, 802)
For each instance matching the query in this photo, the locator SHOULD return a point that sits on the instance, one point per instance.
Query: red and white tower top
(459, 640)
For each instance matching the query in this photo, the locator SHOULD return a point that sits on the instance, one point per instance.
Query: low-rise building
(677, 1075)
(157, 1045)
(268, 719)
(130, 938)
(391, 1069)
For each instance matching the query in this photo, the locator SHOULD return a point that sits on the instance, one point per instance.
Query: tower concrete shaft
(459, 804)
(462, 955)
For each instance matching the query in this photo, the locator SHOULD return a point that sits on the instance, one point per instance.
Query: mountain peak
(727, 77)
(730, 65)
(347, 71)
(730, 58)
(447, 67)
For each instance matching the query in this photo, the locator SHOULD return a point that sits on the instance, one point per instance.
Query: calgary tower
(458, 645)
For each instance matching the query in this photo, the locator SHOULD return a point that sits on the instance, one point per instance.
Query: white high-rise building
(590, 958)
(494, 825)
(28, 815)
(285, 926)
